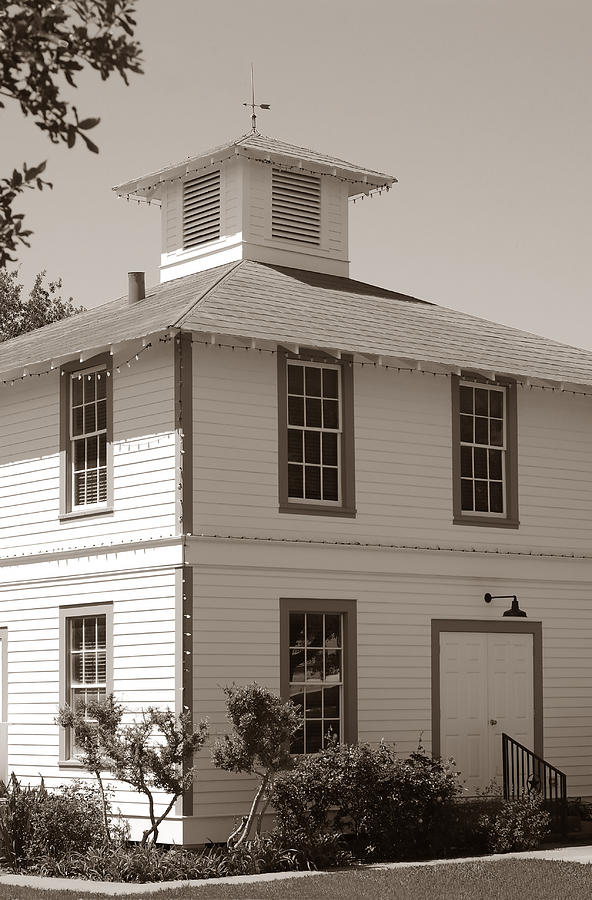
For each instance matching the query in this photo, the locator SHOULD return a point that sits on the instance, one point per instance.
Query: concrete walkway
(82, 886)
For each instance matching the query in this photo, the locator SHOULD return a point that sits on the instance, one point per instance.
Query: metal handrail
(526, 773)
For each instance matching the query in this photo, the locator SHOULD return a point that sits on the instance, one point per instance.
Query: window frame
(348, 611)
(345, 506)
(67, 508)
(510, 517)
(67, 613)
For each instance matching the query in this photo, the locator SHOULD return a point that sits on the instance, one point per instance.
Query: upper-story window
(485, 450)
(86, 437)
(316, 436)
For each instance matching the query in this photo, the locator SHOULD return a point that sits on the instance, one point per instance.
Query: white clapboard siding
(144, 477)
(143, 659)
(403, 450)
(393, 654)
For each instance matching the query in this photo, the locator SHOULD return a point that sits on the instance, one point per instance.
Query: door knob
(493, 721)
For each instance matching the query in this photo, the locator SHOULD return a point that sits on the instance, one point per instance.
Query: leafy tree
(156, 752)
(153, 753)
(43, 306)
(259, 744)
(94, 729)
(43, 43)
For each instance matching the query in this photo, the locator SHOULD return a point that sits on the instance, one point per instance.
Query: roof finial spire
(254, 105)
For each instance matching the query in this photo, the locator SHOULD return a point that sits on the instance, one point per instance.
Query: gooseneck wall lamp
(514, 609)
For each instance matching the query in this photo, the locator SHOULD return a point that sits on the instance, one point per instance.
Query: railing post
(505, 766)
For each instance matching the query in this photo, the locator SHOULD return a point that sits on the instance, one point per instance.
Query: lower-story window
(319, 670)
(86, 661)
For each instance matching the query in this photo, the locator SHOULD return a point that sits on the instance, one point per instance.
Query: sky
(480, 108)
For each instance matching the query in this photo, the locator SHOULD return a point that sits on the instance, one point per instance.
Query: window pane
(90, 632)
(314, 630)
(481, 496)
(103, 450)
(312, 446)
(79, 454)
(496, 404)
(495, 464)
(76, 634)
(333, 665)
(91, 487)
(297, 665)
(76, 391)
(330, 730)
(77, 420)
(77, 668)
(480, 462)
(314, 704)
(79, 488)
(313, 736)
(294, 445)
(297, 743)
(481, 404)
(329, 449)
(101, 414)
(466, 399)
(296, 629)
(89, 387)
(313, 412)
(466, 461)
(496, 432)
(313, 483)
(331, 699)
(295, 379)
(330, 414)
(89, 668)
(330, 383)
(92, 448)
(90, 419)
(466, 494)
(332, 631)
(481, 431)
(466, 429)
(101, 631)
(313, 381)
(330, 485)
(101, 385)
(295, 411)
(102, 485)
(314, 665)
(295, 484)
(297, 698)
(496, 499)
(101, 666)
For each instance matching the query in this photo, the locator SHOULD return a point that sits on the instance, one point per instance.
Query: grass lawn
(511, 879)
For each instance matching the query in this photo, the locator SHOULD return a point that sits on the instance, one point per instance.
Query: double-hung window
(318, 661)
(86, 438)
(316, 435)
(485, 450)
(86, 660)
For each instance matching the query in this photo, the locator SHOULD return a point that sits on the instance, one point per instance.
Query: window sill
(304, 509)
(84, 514)
(485, 521)
(70, 764)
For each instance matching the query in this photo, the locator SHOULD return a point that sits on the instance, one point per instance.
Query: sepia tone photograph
(296, 449)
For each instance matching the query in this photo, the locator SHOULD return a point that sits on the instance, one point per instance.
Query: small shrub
(67, 819)
(16, 817)
(520, 824)
(262, 854)
(391, 807)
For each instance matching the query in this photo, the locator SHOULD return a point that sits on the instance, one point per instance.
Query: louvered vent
(296, 207)
(201, 210)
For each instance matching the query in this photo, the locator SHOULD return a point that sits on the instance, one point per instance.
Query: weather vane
(254, 105)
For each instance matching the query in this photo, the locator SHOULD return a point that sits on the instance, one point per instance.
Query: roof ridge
(220, 280)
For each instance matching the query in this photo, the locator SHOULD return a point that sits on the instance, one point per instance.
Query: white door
(486, 687)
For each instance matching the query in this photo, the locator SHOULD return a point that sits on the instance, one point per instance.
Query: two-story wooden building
(262, 470)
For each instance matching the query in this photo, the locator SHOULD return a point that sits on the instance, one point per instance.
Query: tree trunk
(252, 811)
(104, 805)
(261, 814)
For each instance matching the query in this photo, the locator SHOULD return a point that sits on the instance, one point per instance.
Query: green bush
(16, 817)
(68, 819)
(520, 824)
(392, 807)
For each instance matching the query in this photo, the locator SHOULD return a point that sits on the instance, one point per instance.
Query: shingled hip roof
(289, 306)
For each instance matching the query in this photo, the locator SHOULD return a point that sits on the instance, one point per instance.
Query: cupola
(255, 198)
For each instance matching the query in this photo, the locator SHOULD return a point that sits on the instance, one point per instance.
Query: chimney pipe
(137, 288)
